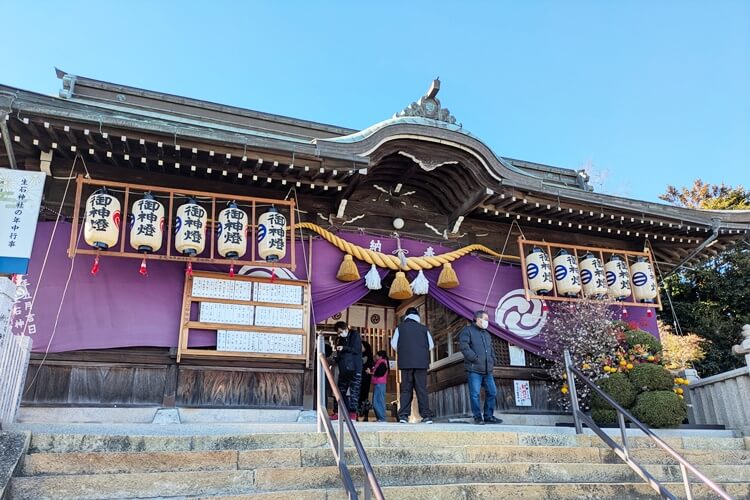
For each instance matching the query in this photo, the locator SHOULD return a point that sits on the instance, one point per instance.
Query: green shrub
(619, 388)
(660, 409)
(639, 337)
(651, 377)
(604, 416)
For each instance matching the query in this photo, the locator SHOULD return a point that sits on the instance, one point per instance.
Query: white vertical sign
(20, 198)
(523, 392)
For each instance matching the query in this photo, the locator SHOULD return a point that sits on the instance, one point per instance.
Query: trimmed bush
(660, 409)
(650, 377)
(639, 337)
(604, 416)
(619, 388)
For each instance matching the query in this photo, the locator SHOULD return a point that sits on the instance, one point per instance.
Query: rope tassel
(420, 285)
(372, 278)
(448, 277)
(348, 270)
(400, 288)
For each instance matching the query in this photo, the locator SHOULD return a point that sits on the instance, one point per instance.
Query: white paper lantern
(232, 232)
(539, 271)
(147, 224)
(618, 281)
(592, 276)
(190, 228)
(272, 235)
(644, 282)
(102, 225)
(567, 278)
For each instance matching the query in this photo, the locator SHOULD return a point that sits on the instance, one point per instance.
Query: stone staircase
(412, 462)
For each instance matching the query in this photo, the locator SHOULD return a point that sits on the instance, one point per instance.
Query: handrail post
(621, 422)
(342, 458)
(321, 382)
(572, 392)
(686, 482)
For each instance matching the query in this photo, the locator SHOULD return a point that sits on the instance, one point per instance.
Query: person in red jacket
(379, 379)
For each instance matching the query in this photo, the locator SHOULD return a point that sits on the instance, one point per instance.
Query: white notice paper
(279, 317)
(523, 392)
(262, 343)
(517, 355)
(278, 294)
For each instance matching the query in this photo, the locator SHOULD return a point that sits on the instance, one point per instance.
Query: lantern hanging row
(147, 219)
(594, 279)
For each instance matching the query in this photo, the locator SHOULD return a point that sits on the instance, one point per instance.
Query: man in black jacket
(413, 343)
(475, 343)
(349, 362)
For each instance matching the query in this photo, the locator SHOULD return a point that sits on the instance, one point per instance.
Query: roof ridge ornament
(428, 106)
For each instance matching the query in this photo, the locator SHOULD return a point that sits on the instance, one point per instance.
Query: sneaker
(403, 421)
(478, 421)
(427, 420)
(335, 416)
(381, 420)
(493, 420)
(353, 416)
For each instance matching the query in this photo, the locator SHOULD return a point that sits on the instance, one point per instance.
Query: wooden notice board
(253, 317)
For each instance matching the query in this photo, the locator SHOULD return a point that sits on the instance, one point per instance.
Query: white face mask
(483, 323)
(345, 333)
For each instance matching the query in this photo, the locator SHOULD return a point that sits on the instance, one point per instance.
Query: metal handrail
(622, 451)
(371, 485)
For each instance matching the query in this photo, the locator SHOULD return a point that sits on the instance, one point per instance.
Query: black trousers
(413, 380)
(350, 381)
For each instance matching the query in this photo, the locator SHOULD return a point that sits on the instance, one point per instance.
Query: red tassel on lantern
(231, 270)
(95, 267)
(545, 307)
(624, 311)
(649, 312)
(143, 270)
(273, 274)
(189, 270)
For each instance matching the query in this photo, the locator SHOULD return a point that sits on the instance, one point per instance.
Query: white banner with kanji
(20, 198)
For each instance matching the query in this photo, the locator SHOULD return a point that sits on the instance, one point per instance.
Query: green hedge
(619, 388)
(604, 415)
(651, 377)
(639, 337)
(660, 409)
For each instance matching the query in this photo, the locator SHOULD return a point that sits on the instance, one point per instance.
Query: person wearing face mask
(349, 362)
(413, 343)
(479, 360)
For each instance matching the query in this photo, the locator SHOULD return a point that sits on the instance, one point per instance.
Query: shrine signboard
(253, 317)
(20, 198)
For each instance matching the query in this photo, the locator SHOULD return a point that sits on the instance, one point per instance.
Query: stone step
(439, 474)
(37, 464)
(60, 443)
(530, 491)
(292, 483)
(144, 485)
(291, 480)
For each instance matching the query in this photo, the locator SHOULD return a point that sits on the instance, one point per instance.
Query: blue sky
(646, 93)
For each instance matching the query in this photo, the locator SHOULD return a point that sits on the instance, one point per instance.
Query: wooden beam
(477, 199)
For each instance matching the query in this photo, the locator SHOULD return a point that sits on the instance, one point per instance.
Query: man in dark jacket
(349, 363)
(413, 343)
(475, 343)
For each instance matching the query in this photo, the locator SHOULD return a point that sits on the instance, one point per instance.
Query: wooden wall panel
(94, 384)
(234, 388)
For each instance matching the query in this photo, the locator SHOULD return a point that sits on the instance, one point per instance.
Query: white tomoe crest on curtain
(522, 317)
